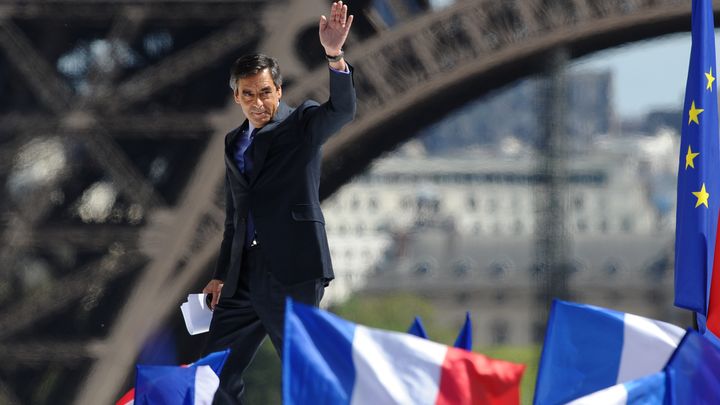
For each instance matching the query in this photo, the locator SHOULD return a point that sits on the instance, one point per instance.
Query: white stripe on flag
(394, 368)
(647, 346)
(206, 383)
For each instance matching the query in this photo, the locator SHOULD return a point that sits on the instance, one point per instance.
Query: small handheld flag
(588, 348)
(328, 360)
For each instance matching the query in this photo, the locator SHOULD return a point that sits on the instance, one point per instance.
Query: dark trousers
(242, 321)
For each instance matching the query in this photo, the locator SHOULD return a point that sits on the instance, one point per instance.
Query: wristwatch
(335, 58)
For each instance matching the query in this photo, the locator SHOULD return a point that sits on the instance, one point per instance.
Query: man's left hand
(334, 31)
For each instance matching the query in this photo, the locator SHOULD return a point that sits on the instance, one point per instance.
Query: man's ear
(236, 95)
(279, 91)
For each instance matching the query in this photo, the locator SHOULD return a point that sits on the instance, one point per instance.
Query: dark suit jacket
(281, 191)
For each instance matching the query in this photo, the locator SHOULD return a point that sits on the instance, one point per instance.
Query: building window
(582, 225)
(538, 332)
(658, 268)
(500, 332)
(499, 269)
(462, 298)
(604, 226)
(579, 203)
(472, 203)
(461, 268)
(422, 269)
(627, 224)
(492, 206)
(611, 268)
(372, 204)
(518, 227)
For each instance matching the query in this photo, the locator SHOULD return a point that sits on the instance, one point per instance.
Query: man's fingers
(343, 15)
(348, 23)
(337, 11)
(215, 299)
(323, 22)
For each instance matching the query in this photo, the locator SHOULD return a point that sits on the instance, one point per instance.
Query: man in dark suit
(274, 244)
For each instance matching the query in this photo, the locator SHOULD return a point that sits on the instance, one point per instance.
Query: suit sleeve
(221, 267)
(321, 121)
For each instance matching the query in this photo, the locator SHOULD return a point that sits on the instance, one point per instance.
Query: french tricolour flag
(193, 384)
(328, 360)
(691, 376)
(589, 348)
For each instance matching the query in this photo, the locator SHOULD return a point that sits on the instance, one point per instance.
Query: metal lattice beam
(169, 125)
(175, 264)
(51, 90)
(177, 11)
(7, 396)
(181, 65)
(88, 237)
(64, 292)
(416, 74)
(40, 353)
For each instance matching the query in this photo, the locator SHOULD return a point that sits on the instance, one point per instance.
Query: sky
(647, 74)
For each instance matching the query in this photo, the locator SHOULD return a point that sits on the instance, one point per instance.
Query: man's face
(258, 97)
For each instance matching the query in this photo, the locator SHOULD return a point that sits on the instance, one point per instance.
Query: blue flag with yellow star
(698, 189)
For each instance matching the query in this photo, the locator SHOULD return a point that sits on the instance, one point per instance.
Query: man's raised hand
(334, 31)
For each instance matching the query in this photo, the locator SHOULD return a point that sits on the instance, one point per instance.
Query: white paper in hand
(197, 314)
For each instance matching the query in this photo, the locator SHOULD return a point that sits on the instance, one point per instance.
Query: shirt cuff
(345, 72)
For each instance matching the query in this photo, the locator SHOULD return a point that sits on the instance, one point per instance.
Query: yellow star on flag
(694, 113)
(710, 79)
(689, 157)
(702, 197)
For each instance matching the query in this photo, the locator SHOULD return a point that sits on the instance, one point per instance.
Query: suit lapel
(263, 140)
(230, 141)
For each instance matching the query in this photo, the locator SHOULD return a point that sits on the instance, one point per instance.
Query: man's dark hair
(249, 65)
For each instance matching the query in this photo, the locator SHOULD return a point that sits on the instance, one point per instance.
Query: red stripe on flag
(713, 315)
(128, 398)
(471, 378)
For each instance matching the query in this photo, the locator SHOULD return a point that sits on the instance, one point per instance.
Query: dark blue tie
(248, 166)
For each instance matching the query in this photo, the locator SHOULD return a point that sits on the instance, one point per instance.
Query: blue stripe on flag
(648, 390)
(581, 353)
(318, 364)
(164, 385)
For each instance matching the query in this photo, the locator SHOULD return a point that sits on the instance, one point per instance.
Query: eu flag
(698, 189)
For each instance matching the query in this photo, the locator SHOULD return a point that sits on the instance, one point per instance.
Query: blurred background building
(482, 173)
